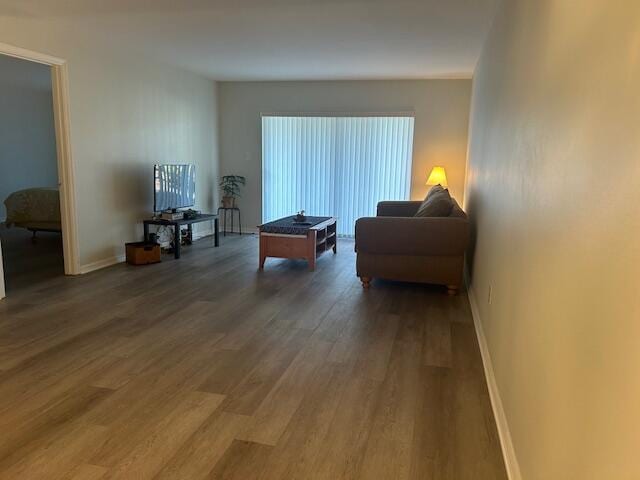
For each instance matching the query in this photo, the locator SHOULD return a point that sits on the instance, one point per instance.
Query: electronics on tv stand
(172, 215)
(175, 214)
(190, 214)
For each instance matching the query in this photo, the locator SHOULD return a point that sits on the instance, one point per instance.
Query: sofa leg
(452, 290)
(366, 282)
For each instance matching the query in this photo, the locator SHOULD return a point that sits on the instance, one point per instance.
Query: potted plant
(230, 185)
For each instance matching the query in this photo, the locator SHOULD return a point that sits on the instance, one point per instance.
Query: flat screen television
(174, 187)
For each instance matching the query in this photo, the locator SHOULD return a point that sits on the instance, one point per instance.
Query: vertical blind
(334, 166)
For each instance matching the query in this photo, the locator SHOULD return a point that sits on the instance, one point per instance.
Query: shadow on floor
(28, 262)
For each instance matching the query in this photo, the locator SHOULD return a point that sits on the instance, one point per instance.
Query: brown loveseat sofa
(395, 245)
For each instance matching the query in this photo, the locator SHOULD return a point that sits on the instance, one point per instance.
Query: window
(334, 166)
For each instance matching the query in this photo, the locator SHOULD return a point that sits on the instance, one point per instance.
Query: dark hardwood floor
(206, 368)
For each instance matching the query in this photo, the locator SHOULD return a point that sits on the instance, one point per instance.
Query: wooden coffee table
(283, 238)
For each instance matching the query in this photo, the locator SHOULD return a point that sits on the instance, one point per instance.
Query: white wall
(127, 113)
(554, 194)
(441, 108)
(27, 133)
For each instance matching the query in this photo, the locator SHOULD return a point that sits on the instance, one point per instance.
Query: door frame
(66, 170)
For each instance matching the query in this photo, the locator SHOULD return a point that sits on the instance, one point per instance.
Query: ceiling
(286, 39)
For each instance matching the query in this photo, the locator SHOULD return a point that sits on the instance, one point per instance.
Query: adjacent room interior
(30, 224)
(319, 240)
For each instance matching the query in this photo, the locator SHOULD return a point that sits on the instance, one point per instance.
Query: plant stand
(231, 210)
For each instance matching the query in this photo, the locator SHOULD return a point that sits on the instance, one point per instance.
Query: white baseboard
(245, 230)
(208, 232)
(105, 262)
(202, 233)
(508, 452)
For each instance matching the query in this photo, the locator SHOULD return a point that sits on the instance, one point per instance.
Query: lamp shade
(437, 177)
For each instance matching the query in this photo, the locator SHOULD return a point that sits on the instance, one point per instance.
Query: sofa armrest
(398, 208)
(412, 235)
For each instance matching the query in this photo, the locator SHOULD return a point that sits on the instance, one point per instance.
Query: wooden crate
(142, 253)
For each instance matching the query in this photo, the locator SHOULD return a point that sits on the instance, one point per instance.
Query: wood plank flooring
(205, 368)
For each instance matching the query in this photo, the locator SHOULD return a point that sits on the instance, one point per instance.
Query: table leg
(239, 222)
(224, 223)
(216, 232)
(145, 226)
(176, 241)
(311, 249)
(335, 245)
(263, 251)
(231, 221)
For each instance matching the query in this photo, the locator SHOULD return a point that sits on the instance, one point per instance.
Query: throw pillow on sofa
(437, 204)
(433, 190)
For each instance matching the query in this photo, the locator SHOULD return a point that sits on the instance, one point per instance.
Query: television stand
(176, 224)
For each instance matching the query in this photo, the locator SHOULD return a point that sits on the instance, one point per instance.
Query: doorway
(32, 209)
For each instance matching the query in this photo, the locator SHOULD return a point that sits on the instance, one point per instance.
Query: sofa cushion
(412, 236)
(456, 211)
(437, 204)
(398, 208)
